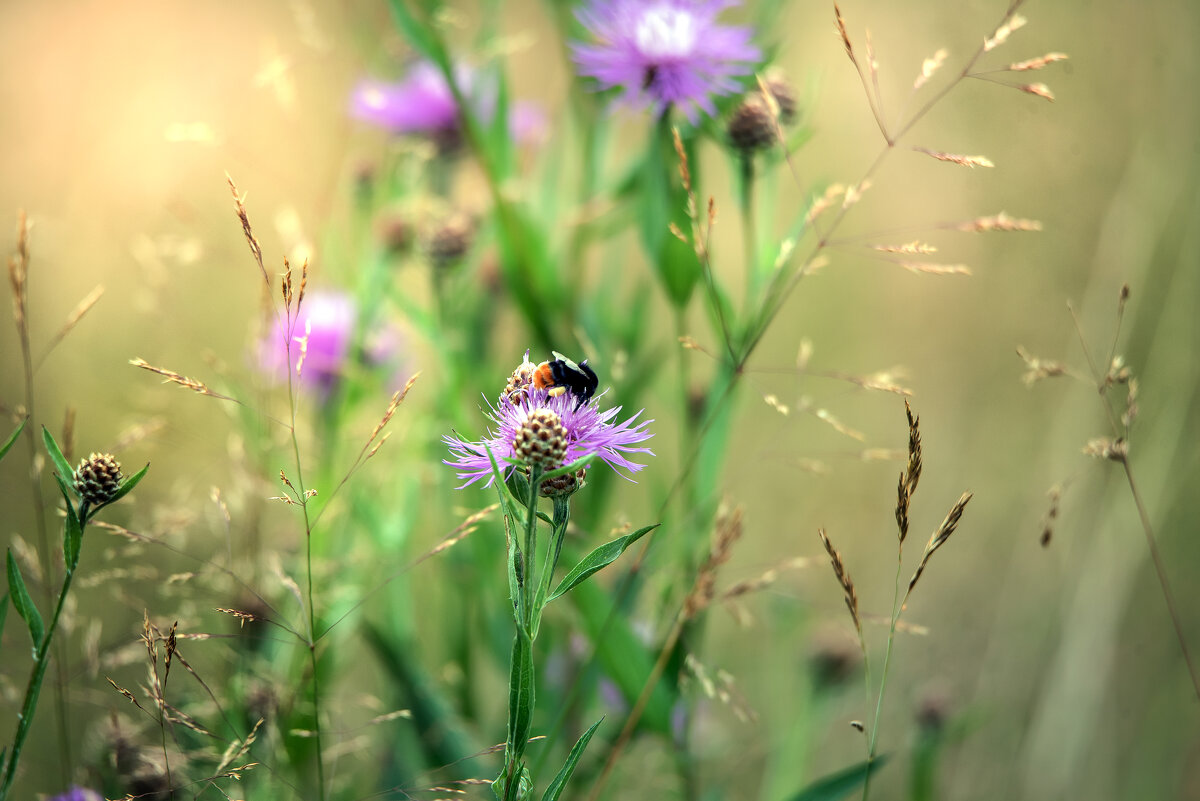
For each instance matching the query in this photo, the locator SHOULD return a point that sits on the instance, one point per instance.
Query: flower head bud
(752, 127)
(541, 439)
(567, 484)
(784, 95)
(451, 240)
(395, 231)
(519, 382)
(98, 478)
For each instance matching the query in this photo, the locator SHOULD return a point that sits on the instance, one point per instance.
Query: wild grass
(345, 621)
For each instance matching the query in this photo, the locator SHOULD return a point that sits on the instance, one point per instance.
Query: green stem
(33, 690)
(749, 230)
(887, 660)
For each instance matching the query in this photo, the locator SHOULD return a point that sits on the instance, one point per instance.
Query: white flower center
(664, 32)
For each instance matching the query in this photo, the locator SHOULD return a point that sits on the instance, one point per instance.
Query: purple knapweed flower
(664, 53)
(423, 105)
(584, 430)
(322, 334)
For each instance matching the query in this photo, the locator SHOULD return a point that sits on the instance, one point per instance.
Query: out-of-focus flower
(78, 794)
(423, 105)
(664, 53)
(320, 338)
(583, 428)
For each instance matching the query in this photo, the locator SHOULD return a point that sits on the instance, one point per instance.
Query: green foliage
(564, 775)
(598, 559)
(24, 604)
(839, 785)
(8, 443)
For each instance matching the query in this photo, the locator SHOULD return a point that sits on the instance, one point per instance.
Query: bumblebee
(560, 375)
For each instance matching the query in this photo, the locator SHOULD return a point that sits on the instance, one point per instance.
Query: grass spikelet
(841, 26)
(81, 308)
(930, 66)
(907, 485)
(726, 534)
(1038, 369)
(1039, 89)
(1114, 450)
(956, 158)
(1037, 63)
(839, 570)
(18, 272)
(939, 538)
(1055, 495)
(855, 192)
(933, 268)
(997, 222)
(916, 247)
(239, 203)
(1012, 23)
(172, 377)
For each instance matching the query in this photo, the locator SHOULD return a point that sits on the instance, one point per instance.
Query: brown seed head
(541, 440)
(98, 478)
(784, 95)
(451, 240)
(752, 127)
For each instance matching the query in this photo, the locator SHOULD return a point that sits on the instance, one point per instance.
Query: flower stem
(887, 660)
(33, 690)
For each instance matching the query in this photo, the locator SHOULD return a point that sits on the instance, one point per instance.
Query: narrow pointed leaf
(838, 785)
(127, 485)
(24, 604)
(520, 692)
(8, 443)
(3, 617)
(599, 559)
(56, 455)
(560, 781)
(72, 530)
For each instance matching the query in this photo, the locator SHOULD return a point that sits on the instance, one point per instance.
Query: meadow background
(1050, 671)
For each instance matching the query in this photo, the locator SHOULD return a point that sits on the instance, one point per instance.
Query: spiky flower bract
(589, 430)
(664, 53)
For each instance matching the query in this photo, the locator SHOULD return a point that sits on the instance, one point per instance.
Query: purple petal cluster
(664, 53)
(423, 104)
(589, 431)
(328, 319)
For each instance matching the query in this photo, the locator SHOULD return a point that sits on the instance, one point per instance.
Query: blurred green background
(1056, 665)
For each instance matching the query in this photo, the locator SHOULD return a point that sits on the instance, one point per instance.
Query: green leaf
(599, 559)
(560, 781)
(414, 30)
(24, 604)
(72, 529)
(8, 443)
(127, 486)
(56, 455)
(3, 617)
(838, 785)
(520, 693)
(573, 467)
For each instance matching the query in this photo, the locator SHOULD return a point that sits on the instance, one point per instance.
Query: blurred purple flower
(422, 104)
(328, 319)
(664, 53)
(589, 431)
(78, 794)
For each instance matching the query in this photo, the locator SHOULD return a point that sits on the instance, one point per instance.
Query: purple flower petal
(589, 431)
(664, 53)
